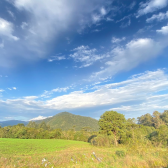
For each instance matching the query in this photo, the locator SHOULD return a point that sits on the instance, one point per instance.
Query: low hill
(12, 122)
(67, 120)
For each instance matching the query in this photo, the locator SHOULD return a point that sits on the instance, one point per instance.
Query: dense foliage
(114, 130)
(150, 129)
(66, 120)
(43, 131)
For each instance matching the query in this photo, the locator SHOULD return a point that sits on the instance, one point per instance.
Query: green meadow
(24, 147)
(65, 153)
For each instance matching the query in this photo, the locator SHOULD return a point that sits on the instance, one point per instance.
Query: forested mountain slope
(67, 120)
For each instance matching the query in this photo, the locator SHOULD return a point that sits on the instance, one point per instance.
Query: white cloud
(99, 16)
(56, 58)
(48, 94)
(49, 18)
(31, 97)
(39, 118)
(6, 29)
(117, 40)
(86, 56)
(13, 88)
(125, 58)
(96, 18)
(125, 23)
(151, 6)
(144, 29)
(103, 11)
(163, 30)
(45, 22)
(145, 88)
(60, 89)
(140, 87)
(108, 19)
(152, 103)
(1, 90)
(159, 17)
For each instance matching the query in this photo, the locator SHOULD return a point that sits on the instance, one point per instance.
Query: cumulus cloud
(163, 30)
(151, 6)
(131, 55)
(86, 56)
(6, 30)
(159, 17)
(145, 88)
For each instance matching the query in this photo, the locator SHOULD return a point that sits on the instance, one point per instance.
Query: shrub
(103, 140)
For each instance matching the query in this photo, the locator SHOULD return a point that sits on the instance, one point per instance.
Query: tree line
(114, 130)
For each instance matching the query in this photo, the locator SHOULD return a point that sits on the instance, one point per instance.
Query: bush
(91, 137)
(103, 140)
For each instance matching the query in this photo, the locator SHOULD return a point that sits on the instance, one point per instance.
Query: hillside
(67, 120)
(11, 123)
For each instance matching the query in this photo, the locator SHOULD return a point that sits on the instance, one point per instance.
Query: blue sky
(84, 57)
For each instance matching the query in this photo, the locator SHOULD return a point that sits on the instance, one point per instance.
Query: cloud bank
(140, 90)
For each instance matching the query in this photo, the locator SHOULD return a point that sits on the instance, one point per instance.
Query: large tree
(111, 123)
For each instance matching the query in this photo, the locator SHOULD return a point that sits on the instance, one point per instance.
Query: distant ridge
(66, 120)
(12, 122)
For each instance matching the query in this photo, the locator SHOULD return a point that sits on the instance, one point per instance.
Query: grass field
(63, 153)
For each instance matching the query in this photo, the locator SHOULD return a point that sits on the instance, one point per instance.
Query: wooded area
(114, 130)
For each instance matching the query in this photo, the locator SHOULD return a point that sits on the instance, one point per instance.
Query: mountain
(67, 120)
(12, 122)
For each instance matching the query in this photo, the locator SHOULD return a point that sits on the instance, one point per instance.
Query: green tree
(164, 116)
(111, 123)
(131, 120)
(44, 126)
(31, 124)
(146, 120)
(157, 120)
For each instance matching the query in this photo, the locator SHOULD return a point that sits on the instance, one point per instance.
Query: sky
(84, 57)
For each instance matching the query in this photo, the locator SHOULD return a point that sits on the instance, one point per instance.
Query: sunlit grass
(63, 153)
(32, 146)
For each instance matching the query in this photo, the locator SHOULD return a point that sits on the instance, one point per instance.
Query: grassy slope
(62, 153)
(67, 120)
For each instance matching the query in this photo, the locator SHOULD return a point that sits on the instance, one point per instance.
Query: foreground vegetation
(63, 153)
(119, 143)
